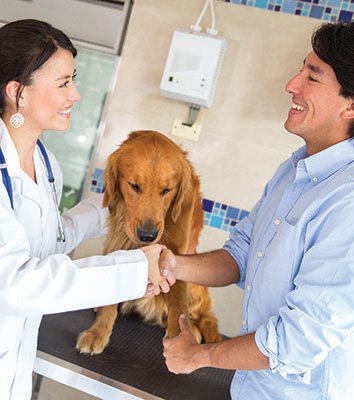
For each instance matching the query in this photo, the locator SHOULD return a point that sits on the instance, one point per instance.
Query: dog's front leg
(96, 338)
(177, 303)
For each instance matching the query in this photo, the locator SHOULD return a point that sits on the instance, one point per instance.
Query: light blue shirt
(295, 252)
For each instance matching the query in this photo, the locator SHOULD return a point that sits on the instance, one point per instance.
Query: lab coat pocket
(11, 330)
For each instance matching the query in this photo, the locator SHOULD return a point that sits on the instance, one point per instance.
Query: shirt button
(260, 254)
(315, 179)
(277, 221)
(244, 322)
(248, 287)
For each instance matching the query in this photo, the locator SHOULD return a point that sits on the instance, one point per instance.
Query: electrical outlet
(185, 131)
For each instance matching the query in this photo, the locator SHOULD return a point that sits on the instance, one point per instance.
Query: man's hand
(182, 353)
(168, 265)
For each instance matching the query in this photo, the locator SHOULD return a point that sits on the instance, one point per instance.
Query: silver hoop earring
(17, 120)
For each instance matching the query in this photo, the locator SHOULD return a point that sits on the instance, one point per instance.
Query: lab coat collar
(21, 182)
(10, 151)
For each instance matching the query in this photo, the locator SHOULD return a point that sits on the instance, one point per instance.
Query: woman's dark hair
(334, 44)
(25, 46)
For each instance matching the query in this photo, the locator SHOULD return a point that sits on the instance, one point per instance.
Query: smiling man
(294, 253)
(321, 114)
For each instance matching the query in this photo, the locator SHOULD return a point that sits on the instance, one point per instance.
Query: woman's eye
(66, 83)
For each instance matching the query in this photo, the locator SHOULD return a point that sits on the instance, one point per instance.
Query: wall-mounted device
(193, 66)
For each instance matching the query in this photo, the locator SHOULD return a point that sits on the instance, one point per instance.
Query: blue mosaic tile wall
(97, 181)
(216, 215)
(327, 10)
(221, 216)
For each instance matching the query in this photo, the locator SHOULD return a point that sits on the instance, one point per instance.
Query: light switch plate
(185, 131)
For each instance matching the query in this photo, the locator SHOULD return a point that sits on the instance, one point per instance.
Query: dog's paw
(170, 332)
(91, 343)
(212, 337)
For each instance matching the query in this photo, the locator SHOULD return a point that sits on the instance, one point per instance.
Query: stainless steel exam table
(131, 367)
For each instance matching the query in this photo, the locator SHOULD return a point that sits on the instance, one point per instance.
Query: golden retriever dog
(153, 196)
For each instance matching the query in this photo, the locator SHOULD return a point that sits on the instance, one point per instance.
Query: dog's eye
(135, 187)
(165, 191)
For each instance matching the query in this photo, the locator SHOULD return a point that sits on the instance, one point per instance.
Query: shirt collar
(317, 167)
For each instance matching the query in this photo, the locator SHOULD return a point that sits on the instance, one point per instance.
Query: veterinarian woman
(37, 92)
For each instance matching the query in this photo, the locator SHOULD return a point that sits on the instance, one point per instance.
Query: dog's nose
(147, 235)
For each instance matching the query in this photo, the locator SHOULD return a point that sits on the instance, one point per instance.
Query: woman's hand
(156, 282)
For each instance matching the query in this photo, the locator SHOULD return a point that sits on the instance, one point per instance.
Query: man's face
(318, 113)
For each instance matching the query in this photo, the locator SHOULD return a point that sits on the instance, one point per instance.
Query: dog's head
(150, 180)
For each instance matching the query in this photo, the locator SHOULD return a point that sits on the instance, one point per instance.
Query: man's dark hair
(334, 44)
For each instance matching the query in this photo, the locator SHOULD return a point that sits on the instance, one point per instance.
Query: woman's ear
(11, 89)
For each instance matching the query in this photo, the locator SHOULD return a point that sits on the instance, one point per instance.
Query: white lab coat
(36, 277)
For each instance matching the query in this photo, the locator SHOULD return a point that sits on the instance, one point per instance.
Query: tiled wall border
(326, 10)
(216, 215)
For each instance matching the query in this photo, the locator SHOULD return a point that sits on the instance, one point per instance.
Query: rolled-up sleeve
(318, 315)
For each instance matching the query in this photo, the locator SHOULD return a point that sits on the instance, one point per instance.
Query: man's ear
(348, 113)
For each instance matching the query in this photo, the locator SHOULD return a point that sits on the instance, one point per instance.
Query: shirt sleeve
(84, 221)
(318, 314)
(239, 241)
(238, 245)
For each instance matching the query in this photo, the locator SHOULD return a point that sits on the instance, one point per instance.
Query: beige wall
(242, 139)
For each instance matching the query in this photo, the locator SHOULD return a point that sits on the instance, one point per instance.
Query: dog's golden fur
(153, 196)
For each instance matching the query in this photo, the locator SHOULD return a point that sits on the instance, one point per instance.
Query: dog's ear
(135, 134)
(184, 200)
(112, 192)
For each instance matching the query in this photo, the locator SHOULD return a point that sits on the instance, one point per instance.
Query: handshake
(162, 265)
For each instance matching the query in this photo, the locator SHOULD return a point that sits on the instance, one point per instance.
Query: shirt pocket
(281, 253)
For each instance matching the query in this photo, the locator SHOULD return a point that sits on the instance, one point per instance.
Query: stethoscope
(8, 185)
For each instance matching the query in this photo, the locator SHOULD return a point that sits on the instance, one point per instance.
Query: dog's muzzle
(147, 235)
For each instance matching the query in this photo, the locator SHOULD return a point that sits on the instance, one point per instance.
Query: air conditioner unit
(96, 24)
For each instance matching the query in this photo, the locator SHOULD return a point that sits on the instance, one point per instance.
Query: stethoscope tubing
(8, 185)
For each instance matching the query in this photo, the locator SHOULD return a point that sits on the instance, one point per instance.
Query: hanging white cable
(196, 27)
(211, 30)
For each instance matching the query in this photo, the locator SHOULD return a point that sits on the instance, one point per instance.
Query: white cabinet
(97, 24)
(96, 28)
